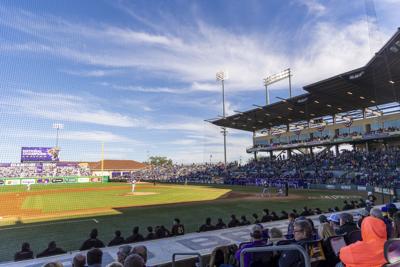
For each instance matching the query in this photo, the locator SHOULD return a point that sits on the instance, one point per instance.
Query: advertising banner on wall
(28, 181)
(39, 154)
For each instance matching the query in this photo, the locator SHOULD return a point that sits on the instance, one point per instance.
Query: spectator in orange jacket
(369, 251)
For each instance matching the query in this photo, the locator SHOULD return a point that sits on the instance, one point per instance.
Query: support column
(336, 150)
(366, 146)
(271, 154)
(311, 152)
(255, 156)
(289, 152)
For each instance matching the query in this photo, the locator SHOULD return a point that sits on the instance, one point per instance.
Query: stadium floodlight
(58, 127)
(222, 76)
(276, 78)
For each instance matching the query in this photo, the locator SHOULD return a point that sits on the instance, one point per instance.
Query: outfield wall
(379, 190)
(160, 251)
(52, 180)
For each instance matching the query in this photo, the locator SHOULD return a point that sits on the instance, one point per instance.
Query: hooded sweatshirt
(369, 251)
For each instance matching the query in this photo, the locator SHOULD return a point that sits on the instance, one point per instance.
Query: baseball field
(67, 212)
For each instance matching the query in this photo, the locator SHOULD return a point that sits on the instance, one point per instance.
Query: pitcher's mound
(140, 193)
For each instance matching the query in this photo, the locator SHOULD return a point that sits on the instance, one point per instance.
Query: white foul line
(43, 224)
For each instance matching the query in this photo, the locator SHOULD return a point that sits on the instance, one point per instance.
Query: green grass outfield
(199, 202)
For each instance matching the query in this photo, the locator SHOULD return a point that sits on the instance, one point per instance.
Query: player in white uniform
(28, 187)
(265, 191)
(133, 185)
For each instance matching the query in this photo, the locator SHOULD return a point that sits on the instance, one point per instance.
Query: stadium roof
(378, 82)
(117, 165)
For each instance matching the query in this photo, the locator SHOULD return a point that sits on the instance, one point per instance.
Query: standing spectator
(290, 228)
(135, 237)
(220, 224)
(371, 198)
(362, 213)
(79, 260)
(369, 251)
(92, 242)
(94, 257)
(233, 222)
(117, 240)
(207, 226)
(25, 253)
(302, 235)
(51, 250)
(150, 234)
(177, 228)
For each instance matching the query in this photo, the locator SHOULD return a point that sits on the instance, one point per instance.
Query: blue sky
(140, 75)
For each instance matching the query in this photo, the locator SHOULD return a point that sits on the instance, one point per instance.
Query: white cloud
(64, 107)
(314, 6)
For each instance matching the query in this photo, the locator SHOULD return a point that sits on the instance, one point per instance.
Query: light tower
(58, 127)
(222, 76)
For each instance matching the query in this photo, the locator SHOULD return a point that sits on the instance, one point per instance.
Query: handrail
(187, 254)
(307, 262)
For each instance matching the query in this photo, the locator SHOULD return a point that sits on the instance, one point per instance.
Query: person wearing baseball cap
(334, 221)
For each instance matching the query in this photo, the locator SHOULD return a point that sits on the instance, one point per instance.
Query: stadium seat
(316, 251)
(223, 256)
(392, 252)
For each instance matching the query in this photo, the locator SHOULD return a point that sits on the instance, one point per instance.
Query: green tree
(158, 160)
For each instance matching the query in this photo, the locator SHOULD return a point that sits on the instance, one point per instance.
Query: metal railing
(187, 254)
(306, 257)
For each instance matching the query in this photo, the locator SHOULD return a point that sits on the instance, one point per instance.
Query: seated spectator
(161, 232)
(305, 212)
(114, 264)
(369, 251)
(302, 235)
(92, 242)
(94, 257)
(314, 231)
(376, 213)
(346, 224)
(362, 213)
(79, 260)
(256, 241)
(346, 206)
(134, 260)
(220, 224)
(150, 234)
(396, 225)
(284, 215)
(141, 251)
(256, 220)
(325, 231)
(244, 220)
(117, 240)
(334, 221)
(25, 253)
(274, 217)
(135, 237)
(177, 228)
(266, 217)
(233, 222)
(275, 235)
(51, 250)
(123, 252)
(207, 226)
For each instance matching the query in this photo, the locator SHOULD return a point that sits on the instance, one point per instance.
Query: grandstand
(359, 107)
